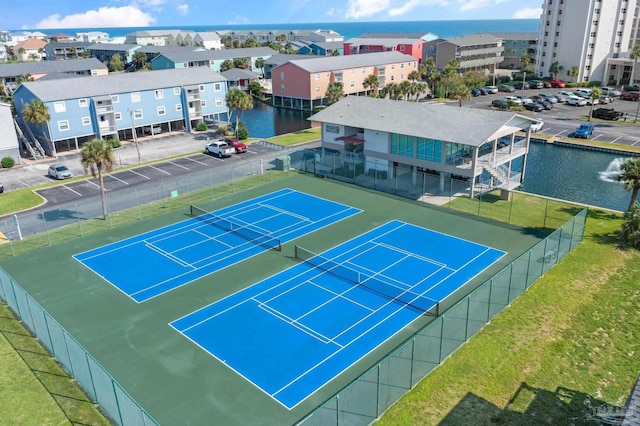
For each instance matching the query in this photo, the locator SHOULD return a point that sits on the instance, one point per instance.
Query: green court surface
(177, 382)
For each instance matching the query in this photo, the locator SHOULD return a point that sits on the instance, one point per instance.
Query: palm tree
(448, 73)
(238, 100)
(630, 175)
(404, 89)
(525, 60)
(630, 230)
(97, 156)
(138, 59)
(635, 54)
(335, 92)
(419, 87)
(372, 82)
(260, 64)
(37, 113)
(414, 76)
(555, 68)
(573, 72)
(595, 94)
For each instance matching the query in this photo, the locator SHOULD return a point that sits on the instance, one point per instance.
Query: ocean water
(349, 29)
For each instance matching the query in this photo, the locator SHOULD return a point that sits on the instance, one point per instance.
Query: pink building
(408, 46)
(302, 83)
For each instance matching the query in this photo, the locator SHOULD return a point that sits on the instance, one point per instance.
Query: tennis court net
(243, 231)
(399, 292)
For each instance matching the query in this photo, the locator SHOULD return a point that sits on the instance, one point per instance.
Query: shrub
(243, 132)
(115, 143)
(594, 83)
(571, 85)
(7, 162)
(201, 127)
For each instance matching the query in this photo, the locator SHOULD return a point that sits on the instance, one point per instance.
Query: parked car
(605, 99)
(491, 89)
(559, 84)
(513, 99)
(219, 148)
(533, 106)
(550, 98)
(236, 144)
(1, 188)
(576, 101)
(536, 84)
(525, 99)
(59, 171)
(589, 99)
(522, 85)
(630, 96)
(546, 104)
(610, 91)
(506, 88)
(475, 92)
(536, 126)
(483, 91)
(499, 103)
(546, 84)
(153, 130)
(606, 114)
(583, 131)
(584, 92)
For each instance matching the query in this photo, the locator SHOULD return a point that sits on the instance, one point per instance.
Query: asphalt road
(564, 119)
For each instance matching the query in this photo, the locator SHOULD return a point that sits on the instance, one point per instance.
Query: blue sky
(32, 14)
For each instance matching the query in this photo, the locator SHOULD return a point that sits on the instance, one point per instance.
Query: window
(178, 107)
(159, 94)
(115, 99)
(597, 10)
(217, 87)
(282, 89)
(595, 22)
(402, 48)
(63, 125)
(117, 116)
(82, 103)
(203, 103)
(617, 44)
(591, 45)
(317, 76)
(317, 89)
(401, 76)
(555, 44)
(352, 84)
(282, 76)
(401, 145)
(137, 114)
(218, 102)
(176, 91)
(94, 72)
(402, 65)
(86, 121)
(393, 66)
(593, 33)
(588, 67)
(364, 70)
(429, 150)
(59, 107)
(161, 110)
(622, 22)
(135, 97)
(392, 77)
(201, 87)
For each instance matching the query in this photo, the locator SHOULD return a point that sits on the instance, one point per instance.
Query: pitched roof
(517, 36)
(435, 121)
(119, 47)
(31, 43)
(382, 41)
(283, 58)
(46, 67)
(83, 87)
(250, 52)
(235, 74)
(328, 63)
(473, 39)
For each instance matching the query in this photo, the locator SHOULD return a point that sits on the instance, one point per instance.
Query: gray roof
(436, 121)
(328, 44)
(46, 67)
(389, 42)
(235, 74)
(473, 39)
(283, 58)
(517, 36)
(393, 35)
(250, 52)
(328, 63)
(209, 36)
(83, 87)
(113, 46)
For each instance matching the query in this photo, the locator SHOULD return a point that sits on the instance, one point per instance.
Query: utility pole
(135, 136)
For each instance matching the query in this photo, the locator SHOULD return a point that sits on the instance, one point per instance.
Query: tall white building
(583, 34)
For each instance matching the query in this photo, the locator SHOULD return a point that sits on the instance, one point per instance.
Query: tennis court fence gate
(370, 395)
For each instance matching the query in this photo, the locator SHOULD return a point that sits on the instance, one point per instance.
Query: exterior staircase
(30, 142)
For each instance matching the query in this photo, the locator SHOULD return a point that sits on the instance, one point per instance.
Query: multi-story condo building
(188, 58)
(471, 52)
(517, 45)
(10, 73)
(302, 83)
(111, 106)
(583, 34)
(409, 46)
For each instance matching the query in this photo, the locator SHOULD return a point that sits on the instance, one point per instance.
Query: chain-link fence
(371, 394)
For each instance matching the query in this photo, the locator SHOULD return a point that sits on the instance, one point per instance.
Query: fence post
(46, 229)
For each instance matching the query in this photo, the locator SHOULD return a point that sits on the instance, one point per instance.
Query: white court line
(140, 174)
(178, 165)
(307, 330)
(75, 192)
(120, 180)
(169, 256)
(160, 170)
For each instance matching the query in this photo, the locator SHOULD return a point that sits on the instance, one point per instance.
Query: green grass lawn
(296, 138)
(573, 335)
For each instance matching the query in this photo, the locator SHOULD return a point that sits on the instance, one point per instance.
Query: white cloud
(183, 9)
(401, 10)
(361, 8)
(528, 13)
(150, 3)
(239, 20)
(330, 12)
(466, 5)
(125, 16)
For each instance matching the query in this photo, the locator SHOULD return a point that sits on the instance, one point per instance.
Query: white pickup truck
(219, 148)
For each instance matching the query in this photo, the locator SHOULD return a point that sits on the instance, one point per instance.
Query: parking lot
(563, 119)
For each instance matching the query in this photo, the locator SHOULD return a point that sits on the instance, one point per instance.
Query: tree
(242, 63)
(418, 88)
(372, 82)
(36, 113)
(138, 59)
(630, 175)
(226, 65)
(24, 77)
(595, 95)
(554, 69)
(414, 76)
(635, 54)
(115, 64)
(226, 41)
(630, 229)
(525, 60)
(473, 79)
(97, 156)
(461, 92)
(240, 101)
(404, 88)
(573, 72)
(335, 92)
(281, 37)
(255, 88)
(260, 64)
(448, 72)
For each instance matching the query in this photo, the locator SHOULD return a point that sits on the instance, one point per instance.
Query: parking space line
(619, 137)
(634, 144)
(561, 132)
(196, 161)
(596, 137)
(75, 192)
(140, 174)
(160, 170)
(178, 165)
(93, 183)
(120, 180)
(23, 183)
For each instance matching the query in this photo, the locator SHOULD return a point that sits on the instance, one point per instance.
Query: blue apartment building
(213, 59)
(116, 105)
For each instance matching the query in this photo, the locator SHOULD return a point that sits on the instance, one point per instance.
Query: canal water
(572, 174)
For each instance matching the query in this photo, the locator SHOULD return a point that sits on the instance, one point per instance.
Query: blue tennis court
(295, 331)
(153, 263)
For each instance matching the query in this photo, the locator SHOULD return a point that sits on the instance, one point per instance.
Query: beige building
(472, 52)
